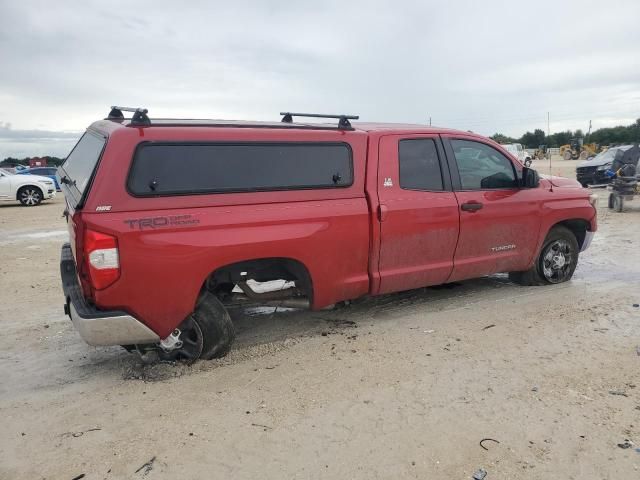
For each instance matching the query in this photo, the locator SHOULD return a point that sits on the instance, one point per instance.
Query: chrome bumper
(587, 240)
(98, 327)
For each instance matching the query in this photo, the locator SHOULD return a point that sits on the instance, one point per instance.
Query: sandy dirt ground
(400, 386)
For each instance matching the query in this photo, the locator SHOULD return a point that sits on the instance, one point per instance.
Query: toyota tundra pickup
(170, 221)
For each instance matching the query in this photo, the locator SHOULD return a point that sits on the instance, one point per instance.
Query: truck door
(418, 213)
(499, 221)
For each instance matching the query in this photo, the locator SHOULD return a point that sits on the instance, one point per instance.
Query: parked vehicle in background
(577, 149)
(43, 172)
(170, 221)
(29, 190)
(593, 171)
(517, 151)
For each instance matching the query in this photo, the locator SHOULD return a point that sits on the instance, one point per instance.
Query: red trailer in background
(37, 162)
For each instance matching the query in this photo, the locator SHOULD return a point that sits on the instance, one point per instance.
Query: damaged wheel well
(224, 279)
(578, 227)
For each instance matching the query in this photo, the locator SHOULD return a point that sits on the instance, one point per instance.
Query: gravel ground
(404, 385)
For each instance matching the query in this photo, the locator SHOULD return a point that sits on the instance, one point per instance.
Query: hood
(33, 178)
(560, 182)
(596, 162)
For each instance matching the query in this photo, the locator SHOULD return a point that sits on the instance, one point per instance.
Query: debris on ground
(78, 477)
(79, 434)
(636, 305)
(147, 467)
(265, 427)
(620, 393)
(479, 474)
(626, 444)
(489, 326)
(487, 440)
(429, 331)
(534, 389)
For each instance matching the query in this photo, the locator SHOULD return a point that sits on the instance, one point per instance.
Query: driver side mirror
(530, 178)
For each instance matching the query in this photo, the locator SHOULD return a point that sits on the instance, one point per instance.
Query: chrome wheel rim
(30, 196)
(557, 261)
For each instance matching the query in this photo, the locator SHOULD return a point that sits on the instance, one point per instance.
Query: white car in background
(29, 190)
(517, 151)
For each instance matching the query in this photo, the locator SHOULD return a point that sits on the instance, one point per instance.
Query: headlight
(604, 167)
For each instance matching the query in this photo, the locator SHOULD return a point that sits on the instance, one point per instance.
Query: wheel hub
(558, 261)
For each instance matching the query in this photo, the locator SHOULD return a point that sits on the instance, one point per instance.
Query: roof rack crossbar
(343, 120)
(139, 116)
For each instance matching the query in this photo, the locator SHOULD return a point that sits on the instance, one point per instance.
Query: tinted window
(419, 165)
(189, 168)
(482, 167)
(79, 165)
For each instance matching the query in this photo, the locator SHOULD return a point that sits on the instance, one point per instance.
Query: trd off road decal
(161, 222)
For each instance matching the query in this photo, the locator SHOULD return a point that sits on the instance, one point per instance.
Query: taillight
(101, 252)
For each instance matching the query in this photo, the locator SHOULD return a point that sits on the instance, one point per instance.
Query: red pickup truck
(171, 220)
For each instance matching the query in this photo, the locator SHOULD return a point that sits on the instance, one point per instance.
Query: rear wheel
(556, 262)
(207, 333)
(217, 327)
(30, 196)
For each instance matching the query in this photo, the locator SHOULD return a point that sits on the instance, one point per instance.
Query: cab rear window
(179, 169)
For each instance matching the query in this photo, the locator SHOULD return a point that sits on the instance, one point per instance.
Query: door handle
(471, 206)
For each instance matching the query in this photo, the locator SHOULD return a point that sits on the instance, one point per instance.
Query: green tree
(500, 138)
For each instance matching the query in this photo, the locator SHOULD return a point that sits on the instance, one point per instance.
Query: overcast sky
(486, 66)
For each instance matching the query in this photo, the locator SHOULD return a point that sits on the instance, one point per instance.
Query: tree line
(11, 162)
(629, 134)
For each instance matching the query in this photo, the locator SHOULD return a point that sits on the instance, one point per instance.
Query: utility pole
(549, 149)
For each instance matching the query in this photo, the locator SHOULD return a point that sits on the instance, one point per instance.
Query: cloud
(486, 66)
(30, 143)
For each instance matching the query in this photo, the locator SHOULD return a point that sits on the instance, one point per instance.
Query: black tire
(207, 333)
(216, 325)
(30, 196)
(618, 203)
(556, 261)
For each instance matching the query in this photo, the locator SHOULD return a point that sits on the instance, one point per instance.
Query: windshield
(6, 172)
(610, 154)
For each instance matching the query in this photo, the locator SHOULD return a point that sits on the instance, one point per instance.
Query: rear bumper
(98, 327)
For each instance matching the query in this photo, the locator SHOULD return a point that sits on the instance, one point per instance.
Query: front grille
(586, 170)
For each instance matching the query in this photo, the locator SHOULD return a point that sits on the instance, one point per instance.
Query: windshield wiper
(66, 181)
